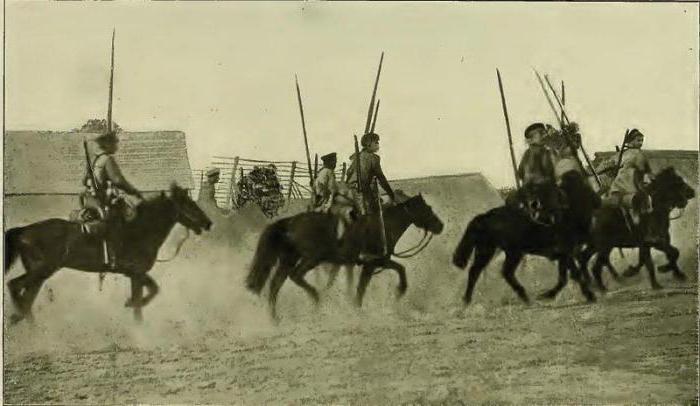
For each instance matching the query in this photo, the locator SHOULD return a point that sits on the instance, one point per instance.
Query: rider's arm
(381, 178)
(115, 175)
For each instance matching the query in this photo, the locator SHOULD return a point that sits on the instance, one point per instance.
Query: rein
(415, 250)
(178, 248)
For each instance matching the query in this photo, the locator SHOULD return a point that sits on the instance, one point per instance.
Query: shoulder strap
(98, 156)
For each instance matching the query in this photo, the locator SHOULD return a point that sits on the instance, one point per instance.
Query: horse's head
(188, 213)
(544, 203)
(421, 214)
(668, 189)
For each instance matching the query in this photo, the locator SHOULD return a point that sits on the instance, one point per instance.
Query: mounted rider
(536, 172)
(334, 197)
(109, 193)
(370, 169)
(627, 189)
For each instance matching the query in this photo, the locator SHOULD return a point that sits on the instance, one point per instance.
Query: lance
(111, 87)
(368, 124)
(622, 151)
(583, 150)
(563, 98)
(382, 230)
(315, 165)
(510, 137)
(358, 172)
(374, 118)
(306, 141)
(549, 99)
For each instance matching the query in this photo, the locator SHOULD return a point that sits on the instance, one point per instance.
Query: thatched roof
(685, 162)
(54, 162)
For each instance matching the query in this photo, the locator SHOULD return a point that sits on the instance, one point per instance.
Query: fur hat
(632, 135)
(329, 158)
(533, 127)
(369, 138)
(108, 137)
(213, 172)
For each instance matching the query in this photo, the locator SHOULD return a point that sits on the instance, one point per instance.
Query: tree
(96, 125)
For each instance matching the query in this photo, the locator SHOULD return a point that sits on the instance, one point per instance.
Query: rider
(121, 198)
(333, 197)
(627, 190)
(366, 187)
(536, 170)
(207, 190)
(370, 169)
(536, 166)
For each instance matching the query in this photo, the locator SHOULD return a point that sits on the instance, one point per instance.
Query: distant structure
(44, 170)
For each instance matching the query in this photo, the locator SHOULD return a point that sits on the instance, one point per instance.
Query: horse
(47, 246)
(299, 243)
(518, 233)
(668, 190)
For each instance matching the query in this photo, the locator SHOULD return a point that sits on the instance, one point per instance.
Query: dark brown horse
(298, 244)
(49, 245)
(668, 190)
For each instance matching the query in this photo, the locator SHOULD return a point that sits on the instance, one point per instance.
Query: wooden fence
(293, 177)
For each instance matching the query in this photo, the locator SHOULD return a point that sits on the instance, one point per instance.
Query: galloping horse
(47, 246)
(668, 191)
(515, 232)
(300, 243)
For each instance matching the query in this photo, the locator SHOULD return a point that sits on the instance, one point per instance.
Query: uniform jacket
(536, 166)
(370, 169)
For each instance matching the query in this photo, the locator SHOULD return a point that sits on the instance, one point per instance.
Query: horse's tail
(461, 256)
(267, 253)
(11, 251)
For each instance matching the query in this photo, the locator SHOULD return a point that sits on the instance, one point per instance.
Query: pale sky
(224, 74)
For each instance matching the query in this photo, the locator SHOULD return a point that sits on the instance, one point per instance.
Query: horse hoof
(129, 303)
(664, 268)
(679, 276)
(590, 298)
(630, 272)
(548, 295)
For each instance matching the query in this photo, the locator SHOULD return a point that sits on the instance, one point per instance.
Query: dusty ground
(635, 345)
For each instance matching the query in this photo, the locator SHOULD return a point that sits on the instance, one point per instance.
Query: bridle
(416, 249)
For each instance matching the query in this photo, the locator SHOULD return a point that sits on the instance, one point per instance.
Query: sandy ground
(635, 345)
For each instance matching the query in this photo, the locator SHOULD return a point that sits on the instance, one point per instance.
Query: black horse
(668, 190)
(300, 243)
(47, 246)
(517, 233)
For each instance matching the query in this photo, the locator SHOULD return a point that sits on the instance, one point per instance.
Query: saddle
(95, 219)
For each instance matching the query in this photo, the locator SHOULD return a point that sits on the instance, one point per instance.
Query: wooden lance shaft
(510, 137)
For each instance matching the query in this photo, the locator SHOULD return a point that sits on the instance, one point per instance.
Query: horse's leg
(365, 277)
(672, 255)
(401, 271)
(349, 279)
(297, 276)
(15, 287)
(611, 268)
(561, 282)
(482, 257)
(633, 270)
(510, 265)
(275, 285)
(332, 274)
(645, 256)
(135, 301)
(584, 258)
(152, 289)
(577, 275)
(598, 268)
